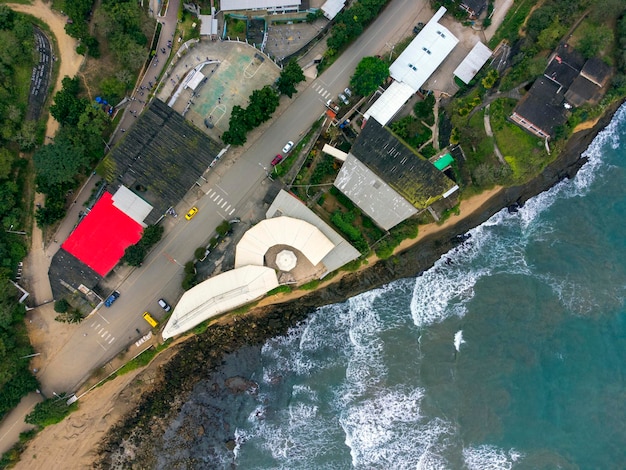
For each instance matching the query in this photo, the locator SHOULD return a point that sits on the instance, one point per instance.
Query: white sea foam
(486, 457)
(458, 340)
(388, 430)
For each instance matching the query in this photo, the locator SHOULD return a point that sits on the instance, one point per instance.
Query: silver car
(343, 98)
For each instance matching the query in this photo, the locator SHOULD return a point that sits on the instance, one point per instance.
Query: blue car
(111, 298)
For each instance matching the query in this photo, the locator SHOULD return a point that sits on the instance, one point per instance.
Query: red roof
(102, 236)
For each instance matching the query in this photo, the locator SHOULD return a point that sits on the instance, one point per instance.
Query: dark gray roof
(582, 91)
(543, 105)
(412, 176)
(66, 269)
(477, 6)
(567, 54)
(596, 71)
(160, 158)
(561, 72)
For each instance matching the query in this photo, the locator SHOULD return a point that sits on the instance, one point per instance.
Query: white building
(273, 6)
(413, 67)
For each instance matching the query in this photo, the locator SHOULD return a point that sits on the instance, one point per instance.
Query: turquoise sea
(510, 353)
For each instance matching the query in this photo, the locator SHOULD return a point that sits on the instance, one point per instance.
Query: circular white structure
(286, 260)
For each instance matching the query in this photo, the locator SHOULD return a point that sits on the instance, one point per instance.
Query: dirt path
(70, 60)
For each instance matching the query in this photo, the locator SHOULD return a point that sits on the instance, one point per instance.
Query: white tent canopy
(219, 294)
(301, 235)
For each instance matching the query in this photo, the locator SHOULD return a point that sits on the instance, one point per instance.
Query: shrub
(50, 411)
(61, 306)
(199, 253)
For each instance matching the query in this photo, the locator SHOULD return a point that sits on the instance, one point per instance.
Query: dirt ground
(70, 60)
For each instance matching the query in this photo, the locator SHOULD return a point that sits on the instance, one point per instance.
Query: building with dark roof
(387, 179)
(564, 65)
(568, 81)
(160, 158)
(542, 108)
(588, 87)
(474, 8)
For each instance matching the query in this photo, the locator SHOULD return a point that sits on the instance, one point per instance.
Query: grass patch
(514, 19)
(284, 289)
(235, 27)
(311, 285)
(525, 153)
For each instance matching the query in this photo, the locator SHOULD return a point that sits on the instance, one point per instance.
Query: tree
(134, 255)
(369, 75)
(594, 40)
(291, 75)
(67, 106)
(59, 163)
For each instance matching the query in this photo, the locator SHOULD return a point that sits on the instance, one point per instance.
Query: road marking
(222, 189)
(103, 334)
(97, 326)
(94, 322)
(328, 94)
(208, 193)
(216, 196)
(112, 339)
(101, 330)
(101, 345)
(231, 212)
(219, 201)
(226, 210)
(108, 336)
(225, 202)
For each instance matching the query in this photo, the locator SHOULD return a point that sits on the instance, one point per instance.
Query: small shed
(443, 162)
(473, 62)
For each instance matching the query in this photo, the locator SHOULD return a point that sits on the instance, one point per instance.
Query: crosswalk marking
(111, 340)
(231, 212)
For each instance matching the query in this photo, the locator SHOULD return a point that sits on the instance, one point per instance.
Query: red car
(277, 159)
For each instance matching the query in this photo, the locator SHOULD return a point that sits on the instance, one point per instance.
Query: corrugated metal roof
(373, 196)
(424, 54)
(219, 294)
(332, 7)
(443, 162)
(473, 62)
(227, 5)
(390, 102)
(131, 204)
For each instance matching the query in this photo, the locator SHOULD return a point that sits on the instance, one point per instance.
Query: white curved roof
(301, 235)
(219, 294)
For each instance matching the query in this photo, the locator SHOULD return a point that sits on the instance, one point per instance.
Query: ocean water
(510, 353)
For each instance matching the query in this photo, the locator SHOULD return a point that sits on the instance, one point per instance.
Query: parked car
(332, 105)
(277, 159)
(343, 98)
(348, 92)
(150, 319)
(287, 147)
(418, 27)
(192, 212)
(164, 305)
(111, 298)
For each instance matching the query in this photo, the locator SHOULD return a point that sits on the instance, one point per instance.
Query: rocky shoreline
(133, 443)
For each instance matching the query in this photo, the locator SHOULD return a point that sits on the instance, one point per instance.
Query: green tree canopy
(369, 75)
(67, 106)
(291, 75)
(58, 164)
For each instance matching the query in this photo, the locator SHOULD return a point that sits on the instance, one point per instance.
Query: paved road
(152, 72)
(104, 334)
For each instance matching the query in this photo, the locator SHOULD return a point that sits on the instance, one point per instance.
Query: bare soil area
(70, 60)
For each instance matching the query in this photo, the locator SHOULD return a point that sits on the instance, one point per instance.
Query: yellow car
(193, 211)
(150, 319)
